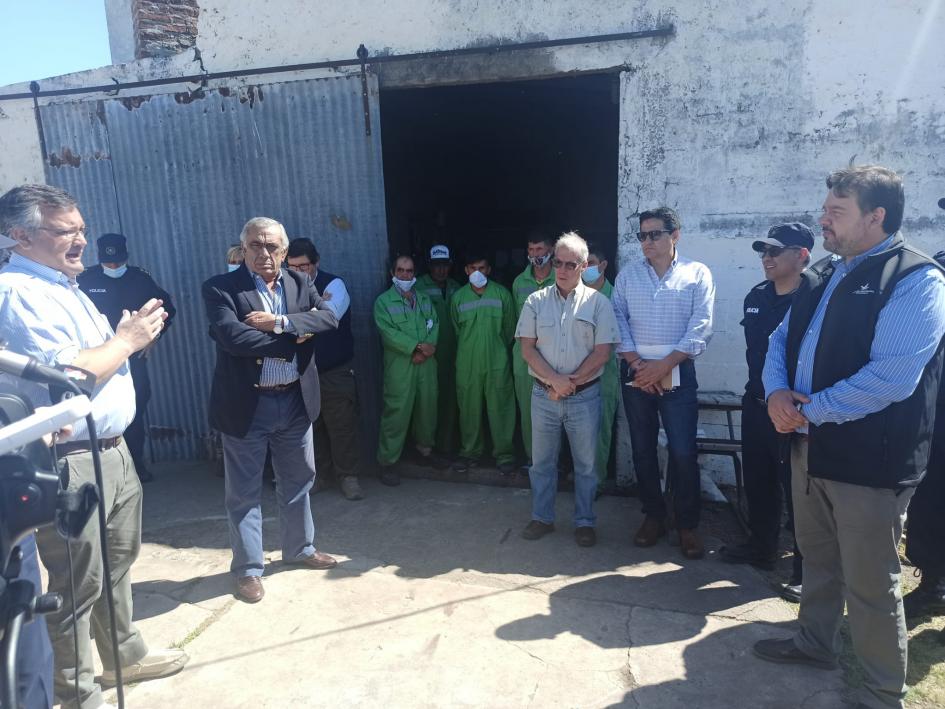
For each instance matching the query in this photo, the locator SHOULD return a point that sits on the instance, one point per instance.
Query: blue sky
(43, 38)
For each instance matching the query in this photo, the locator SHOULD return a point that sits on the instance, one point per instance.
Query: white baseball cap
(440, 253)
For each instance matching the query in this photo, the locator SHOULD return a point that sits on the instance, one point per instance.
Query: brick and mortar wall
(164, 27)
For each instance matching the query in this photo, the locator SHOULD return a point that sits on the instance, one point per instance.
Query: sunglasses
(569, 265)
(775, 251)
(651, 235)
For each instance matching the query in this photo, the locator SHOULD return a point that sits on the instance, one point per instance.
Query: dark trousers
(925, 538)
(135, 433)
(678, 410)
(337, 453)
(34, 659)
(766, 456)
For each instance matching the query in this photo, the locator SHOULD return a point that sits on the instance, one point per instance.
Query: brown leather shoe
(250, 589)
(650, 532)
(690, 544)
(318, 560)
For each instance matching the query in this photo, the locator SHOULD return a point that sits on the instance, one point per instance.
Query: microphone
(28, 368)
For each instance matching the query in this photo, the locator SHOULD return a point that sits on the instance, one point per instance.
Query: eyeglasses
(81, 231)
(651, 235)
(257, 247)
(568, 265)
(775, 251)
(300, 266)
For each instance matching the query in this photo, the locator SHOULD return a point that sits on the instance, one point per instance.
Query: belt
(578, 388)
(104, 444)
(278, 387)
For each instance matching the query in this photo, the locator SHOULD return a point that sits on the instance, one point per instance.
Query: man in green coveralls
(409, 329)
(483, 315)
(537, 275)
(440, 288)
(594, 277)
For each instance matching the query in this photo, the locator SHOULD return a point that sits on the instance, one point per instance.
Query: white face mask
(115, 272)
(478, 279)
(404, 286)
(540, 261)
(233, 267)
(591, 274)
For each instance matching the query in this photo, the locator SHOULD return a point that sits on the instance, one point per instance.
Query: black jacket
(229, 298)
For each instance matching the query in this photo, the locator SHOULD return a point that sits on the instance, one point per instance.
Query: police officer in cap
(785, 253)
(114, 286)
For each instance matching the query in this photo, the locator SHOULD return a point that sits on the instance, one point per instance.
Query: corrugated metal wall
(180, 175)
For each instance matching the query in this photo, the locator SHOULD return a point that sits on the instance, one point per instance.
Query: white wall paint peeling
(735, 121)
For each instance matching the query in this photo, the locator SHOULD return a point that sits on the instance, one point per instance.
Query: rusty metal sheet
(188, 170)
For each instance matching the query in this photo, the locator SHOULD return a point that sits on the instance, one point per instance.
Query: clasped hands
(784, 410)
(266, 322)
(562, 386)
(648, 374)
(422, 352)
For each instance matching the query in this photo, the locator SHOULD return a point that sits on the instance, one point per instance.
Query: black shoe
(507, 468)
(748, 553)
(144, 475)
(585, 536)
(389, 476)
(536, 530)
(791, 591)
(786, 652)
(928, 598)
(464, 465)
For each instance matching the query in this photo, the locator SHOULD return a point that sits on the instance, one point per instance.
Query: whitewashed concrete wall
(735, 121)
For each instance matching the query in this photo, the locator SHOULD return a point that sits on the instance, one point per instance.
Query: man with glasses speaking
(663, 304)
(567, 332)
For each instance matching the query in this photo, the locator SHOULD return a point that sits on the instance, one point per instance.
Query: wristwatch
(279, 327)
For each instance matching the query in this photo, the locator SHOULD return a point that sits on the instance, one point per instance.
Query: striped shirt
(275, 371)
(672, 311)
(44, 315)
(907, 334)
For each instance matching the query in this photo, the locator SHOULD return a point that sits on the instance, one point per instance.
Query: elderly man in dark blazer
(265, 393)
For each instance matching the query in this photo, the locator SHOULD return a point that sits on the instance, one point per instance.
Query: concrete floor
(439, 602)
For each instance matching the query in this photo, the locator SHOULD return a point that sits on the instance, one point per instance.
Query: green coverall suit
(609, 398)
(484, 328)
(522, 287)
(409, 389)
(447, 415)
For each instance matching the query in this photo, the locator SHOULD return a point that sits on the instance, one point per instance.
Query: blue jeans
(282, 425)
(579, 415)
(678, 410)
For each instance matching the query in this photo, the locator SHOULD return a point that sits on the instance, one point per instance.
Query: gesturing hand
(140, 328)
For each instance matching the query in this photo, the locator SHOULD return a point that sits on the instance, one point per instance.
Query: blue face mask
(591, 274)
(115, 272)
(230, 267)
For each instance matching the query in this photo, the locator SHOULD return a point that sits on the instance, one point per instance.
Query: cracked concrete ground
(439, 602)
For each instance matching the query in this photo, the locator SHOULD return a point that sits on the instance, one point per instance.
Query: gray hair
(22, 207)
(260, 223)
(572, 241)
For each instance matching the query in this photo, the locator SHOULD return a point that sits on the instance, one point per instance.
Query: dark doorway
(486, 163)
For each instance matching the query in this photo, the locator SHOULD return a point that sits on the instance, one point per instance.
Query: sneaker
(748, 553)
(351, 488)
(156, 664)
(786, 652)
(536, 530)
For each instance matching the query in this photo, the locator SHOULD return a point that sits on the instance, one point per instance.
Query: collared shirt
(674, 311)
(44, 315)
(275, 371)
(907, 334)
(568, 329)
(525, 284)
(340, 301)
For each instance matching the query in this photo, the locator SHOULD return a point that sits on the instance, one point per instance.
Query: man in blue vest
(336, 430)
(852, 375)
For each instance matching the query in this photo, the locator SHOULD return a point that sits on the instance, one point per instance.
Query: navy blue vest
(335, 347)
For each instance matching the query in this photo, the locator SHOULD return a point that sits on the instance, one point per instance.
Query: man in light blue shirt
(663, 304)
(852, 375)
(44, 315)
